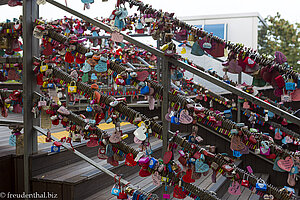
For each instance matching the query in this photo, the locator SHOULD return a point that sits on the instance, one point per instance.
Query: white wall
(241, 28)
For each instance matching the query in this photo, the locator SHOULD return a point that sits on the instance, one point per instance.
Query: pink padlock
(181, 153)
(166, 196)
(250, 169)
(144, 160)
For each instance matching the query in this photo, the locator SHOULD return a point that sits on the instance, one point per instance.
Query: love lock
(140, 133)
(72, 87)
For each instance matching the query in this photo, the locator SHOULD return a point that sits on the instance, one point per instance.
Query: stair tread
(135, 179)
(246, 193)
(74, 171)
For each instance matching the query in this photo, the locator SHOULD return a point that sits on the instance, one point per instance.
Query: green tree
(280, 35)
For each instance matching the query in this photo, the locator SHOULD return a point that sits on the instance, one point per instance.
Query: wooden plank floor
(57, 131)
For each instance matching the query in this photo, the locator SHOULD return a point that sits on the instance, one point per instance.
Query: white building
(237, 28)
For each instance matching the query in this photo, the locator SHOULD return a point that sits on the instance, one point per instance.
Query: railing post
(165, 103)
(239, 105)
(30, 48)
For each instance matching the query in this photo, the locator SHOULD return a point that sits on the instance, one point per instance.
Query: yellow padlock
(43, 68)
(72, 87)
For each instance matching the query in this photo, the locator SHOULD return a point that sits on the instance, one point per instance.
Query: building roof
(222, 16)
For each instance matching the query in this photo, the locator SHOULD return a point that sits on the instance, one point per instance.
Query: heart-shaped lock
(101, 153)
(86, 67)
(200, 166)
(116, 37)
(48, 49)
(188, 177)
(235, 188)
(69, 58)
(142, 76)
(129, 160)
(140, 133)
(236, 143)
(179, 192)
(167, 157)
(278, 134)
(101, 66)
(286, 164)
(115, 137)
(184, 117)
(156, 178)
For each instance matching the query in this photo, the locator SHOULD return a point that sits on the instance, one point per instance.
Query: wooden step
(80, 180)
(47, 161)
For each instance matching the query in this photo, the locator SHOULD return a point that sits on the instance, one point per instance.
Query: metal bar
(239, 105)
(30, 13)
(165, 105)
(11, 60)
(66, 90)
(108, 36)
(194, 70)
(130, 65)
(158, 64)
(178, 89)
(7, 122)
(143, 61)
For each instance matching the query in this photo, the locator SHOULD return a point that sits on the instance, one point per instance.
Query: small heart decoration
(137, 141)
(286, 164)
(288, 139)
(168, 115)
(184, 117)
(250, 61)
(264, 151)
(183, 51)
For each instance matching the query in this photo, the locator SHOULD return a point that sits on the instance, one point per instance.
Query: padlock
(43, 68)
(72, 87)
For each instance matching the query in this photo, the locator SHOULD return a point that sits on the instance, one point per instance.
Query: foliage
(280, 35)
